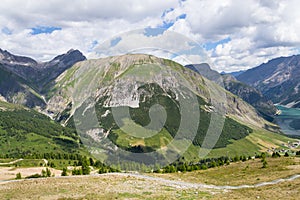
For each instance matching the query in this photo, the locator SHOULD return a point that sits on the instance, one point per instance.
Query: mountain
(278, 80)
(39, 73)
(131, 103)
(107, 72)
(235, 74)
(24, 80)
(16, 90)
(247, 93)
(49, 71)
(205, 70)
(27, 133)
(251, 95)
(136, 103)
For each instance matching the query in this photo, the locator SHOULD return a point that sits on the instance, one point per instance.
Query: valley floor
(280, 180)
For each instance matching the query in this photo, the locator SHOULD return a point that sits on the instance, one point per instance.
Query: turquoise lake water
(289, 120)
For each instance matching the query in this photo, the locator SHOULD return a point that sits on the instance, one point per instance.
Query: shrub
(34, 176)
(265, 164)
(18, 176)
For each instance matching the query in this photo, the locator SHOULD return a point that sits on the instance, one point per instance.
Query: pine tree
(85, 167)
(48, 172)
(64, 172)
(286, 154)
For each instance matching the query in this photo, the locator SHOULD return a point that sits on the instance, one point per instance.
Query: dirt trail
(11, 162)
(181, 184)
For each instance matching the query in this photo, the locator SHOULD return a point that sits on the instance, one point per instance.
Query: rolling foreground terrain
(243, 180)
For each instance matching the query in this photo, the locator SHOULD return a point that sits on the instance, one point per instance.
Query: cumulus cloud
(258, 29)
(81, 23)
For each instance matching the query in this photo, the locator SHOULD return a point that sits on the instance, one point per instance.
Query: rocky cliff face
(278, 79)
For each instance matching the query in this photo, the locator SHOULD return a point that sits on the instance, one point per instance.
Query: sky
(230, 35)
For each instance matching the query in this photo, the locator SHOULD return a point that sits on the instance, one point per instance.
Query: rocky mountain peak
(71, 55)
(205, 70)
(24, 79)
(7, 57)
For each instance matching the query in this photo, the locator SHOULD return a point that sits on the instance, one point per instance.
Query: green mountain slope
(25, 132)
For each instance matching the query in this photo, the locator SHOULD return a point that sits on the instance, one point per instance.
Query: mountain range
(24, 80)
(278, 80)
(248, 93)
(146, 94)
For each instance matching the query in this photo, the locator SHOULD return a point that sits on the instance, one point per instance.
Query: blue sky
(235, 34)
(213, 45)
(6, 31)
(44, 30)
(115, 41)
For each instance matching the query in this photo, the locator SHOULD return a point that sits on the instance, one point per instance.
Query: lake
(289, 120)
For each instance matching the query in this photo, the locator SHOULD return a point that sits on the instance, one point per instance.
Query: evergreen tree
(64, 172)
(85, 167)
(44, 174)
(77, 171)
(286, 154)
(48, 172)
(92, 163)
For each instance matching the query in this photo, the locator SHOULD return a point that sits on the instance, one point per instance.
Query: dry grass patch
(7, 173)
(249, 172)
(98, 187)
(289, 190)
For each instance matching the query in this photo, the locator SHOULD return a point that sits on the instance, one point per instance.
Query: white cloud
(82, 22)
(259, 29)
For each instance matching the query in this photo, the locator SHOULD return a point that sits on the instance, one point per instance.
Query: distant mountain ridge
(39, 73)
(278, 80)
(8, 58)
(23, 79)
(248, 93)
(235, 74)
